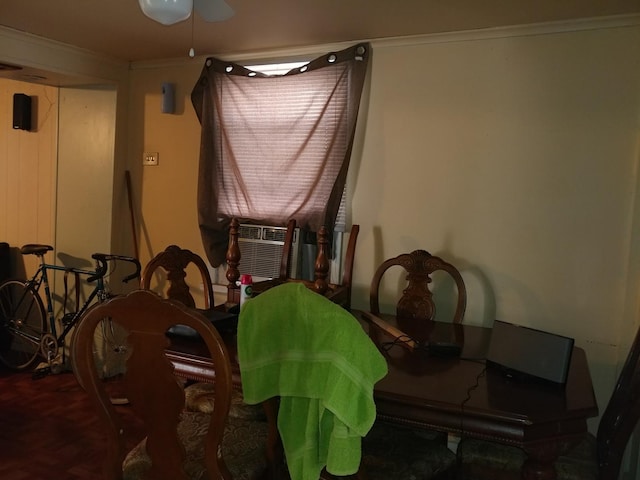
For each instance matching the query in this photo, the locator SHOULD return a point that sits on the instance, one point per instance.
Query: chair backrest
(154, 393)
(350, 255)
(174, 261)
(620, 418)
(339, 293)
(234, 258)
(417, 301)
(287, 249)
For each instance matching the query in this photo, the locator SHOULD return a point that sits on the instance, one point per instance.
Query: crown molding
(66, 61)
(529, 30)
(311, 51)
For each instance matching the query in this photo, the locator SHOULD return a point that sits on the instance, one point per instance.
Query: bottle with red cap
(246, 292)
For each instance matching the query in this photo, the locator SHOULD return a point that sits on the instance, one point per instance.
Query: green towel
(313, 354)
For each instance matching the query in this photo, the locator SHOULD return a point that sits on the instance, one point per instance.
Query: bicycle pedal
(56, 368)
(41, 373)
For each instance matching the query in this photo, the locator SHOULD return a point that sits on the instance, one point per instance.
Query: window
(275, 147)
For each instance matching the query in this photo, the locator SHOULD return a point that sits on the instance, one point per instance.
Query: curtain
(275, 147)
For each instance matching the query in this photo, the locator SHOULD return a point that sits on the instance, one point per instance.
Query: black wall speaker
(529, 353)
(21, 111)
(168, 98)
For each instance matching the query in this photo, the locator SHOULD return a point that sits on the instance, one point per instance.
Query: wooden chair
(233, 258)
(338, 293)
(174, 262)
(179, 445)
(417, 302)
(593, 458)
(413, 321)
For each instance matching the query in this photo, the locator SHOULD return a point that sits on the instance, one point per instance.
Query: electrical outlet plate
(150, 158)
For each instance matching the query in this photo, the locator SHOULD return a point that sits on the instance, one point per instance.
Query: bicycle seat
(35, 249)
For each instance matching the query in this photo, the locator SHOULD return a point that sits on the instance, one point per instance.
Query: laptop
(222, 320)
(528, 354)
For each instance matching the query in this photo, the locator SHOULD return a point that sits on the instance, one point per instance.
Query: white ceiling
(118, 29)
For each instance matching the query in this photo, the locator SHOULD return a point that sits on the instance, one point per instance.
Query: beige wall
(515, 158)
(513, 155)
(165, 194)
(520, 154)
(85, 168)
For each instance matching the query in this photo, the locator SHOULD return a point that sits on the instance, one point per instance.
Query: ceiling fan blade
(213, 10)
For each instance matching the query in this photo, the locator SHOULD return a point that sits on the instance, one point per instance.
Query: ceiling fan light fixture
(167, 12)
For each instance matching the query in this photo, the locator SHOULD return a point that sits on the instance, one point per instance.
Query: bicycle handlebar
(103, 258)
(101, 270)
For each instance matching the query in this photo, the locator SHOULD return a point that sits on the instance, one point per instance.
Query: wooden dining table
(459, 395)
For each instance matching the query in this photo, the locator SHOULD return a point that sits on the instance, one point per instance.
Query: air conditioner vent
(261, 251)
(249, 232)
(274, 234)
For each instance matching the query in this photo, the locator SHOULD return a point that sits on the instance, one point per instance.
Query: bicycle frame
(41, 278)
(29, 312)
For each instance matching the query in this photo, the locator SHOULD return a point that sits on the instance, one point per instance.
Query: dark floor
(48, 429)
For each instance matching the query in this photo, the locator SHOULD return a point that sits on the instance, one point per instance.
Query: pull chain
(192, 52)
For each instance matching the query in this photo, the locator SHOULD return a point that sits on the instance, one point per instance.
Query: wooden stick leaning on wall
(127, 177)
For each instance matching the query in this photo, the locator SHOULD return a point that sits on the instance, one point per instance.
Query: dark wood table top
(459, 394)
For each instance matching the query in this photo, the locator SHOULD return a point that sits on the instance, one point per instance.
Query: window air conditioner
(261, 251)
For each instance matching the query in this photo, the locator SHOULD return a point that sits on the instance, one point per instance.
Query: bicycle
(24, 333)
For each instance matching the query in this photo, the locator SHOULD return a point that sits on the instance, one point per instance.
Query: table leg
(537, 469)
(542, 456)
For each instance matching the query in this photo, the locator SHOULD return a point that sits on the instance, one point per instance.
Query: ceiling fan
(168, 12)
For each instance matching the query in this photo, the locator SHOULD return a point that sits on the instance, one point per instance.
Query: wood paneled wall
(28, 162)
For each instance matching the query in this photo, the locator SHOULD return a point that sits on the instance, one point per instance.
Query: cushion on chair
(395, 452)
(580, 463)
(489, 455)
(493, 458)
(243, 448)
(199, 397)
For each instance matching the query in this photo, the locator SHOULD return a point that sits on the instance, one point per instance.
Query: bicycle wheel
(22, 324)
(110, 348)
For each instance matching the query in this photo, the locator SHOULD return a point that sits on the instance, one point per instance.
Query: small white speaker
(168, 98)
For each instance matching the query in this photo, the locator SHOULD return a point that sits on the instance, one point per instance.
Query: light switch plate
(150, 158)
